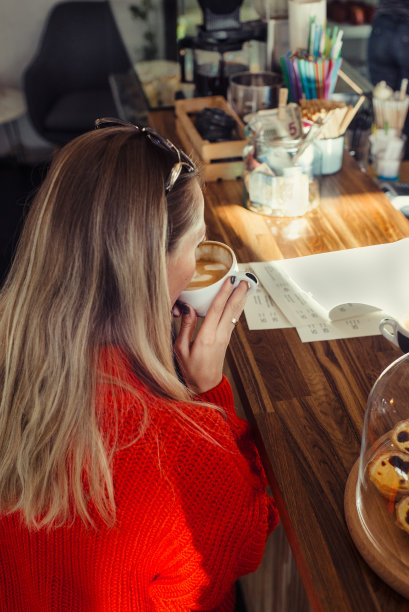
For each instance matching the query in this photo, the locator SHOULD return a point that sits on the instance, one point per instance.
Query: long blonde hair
(89, 271)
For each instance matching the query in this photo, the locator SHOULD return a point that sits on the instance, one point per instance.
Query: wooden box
(217, 160)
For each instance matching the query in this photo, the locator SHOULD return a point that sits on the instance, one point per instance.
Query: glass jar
(377, 491)
(278, 180)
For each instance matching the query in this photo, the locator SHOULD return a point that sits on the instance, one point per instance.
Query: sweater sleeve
(221, 514)
(222, 396)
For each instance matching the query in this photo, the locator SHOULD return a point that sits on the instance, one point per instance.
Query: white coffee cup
(396, 331)
(215, 262)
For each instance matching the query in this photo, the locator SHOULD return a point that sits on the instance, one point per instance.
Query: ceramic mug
(215, 262)
(396, 331)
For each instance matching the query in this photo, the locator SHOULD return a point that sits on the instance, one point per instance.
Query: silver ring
(234, 321)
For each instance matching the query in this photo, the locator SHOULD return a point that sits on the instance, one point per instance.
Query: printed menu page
(345, 328)
(261, 312)
(340, 284)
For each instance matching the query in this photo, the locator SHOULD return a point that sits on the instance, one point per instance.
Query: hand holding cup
(212, 293)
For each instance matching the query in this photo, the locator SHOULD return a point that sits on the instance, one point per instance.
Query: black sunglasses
(160, 141)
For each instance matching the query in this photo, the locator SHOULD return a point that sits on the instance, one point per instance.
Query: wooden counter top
(306, 402)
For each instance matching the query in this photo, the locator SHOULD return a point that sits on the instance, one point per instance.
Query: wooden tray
(217, 160)
(390, 558)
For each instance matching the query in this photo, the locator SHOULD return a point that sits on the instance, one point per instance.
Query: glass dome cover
(377, 491)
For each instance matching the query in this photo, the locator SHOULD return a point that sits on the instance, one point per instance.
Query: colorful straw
(312, 73)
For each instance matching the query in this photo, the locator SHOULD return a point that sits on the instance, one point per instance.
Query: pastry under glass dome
(377, 491)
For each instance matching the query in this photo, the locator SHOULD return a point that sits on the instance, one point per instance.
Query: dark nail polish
(252, 276)
(185, 309)
(232, 280)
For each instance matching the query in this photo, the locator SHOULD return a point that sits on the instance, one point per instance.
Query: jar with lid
(278, 176)
(377, 490)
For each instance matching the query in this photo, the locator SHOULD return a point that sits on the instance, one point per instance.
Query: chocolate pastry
(400, 436)
(390, 473)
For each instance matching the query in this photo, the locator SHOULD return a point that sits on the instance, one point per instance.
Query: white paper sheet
(262, 313)
(340, 284)
(347, 328)
(286, 295)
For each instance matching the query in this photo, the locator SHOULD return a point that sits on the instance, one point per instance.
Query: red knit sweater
(192, 516)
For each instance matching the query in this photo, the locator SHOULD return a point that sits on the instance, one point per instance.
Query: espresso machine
(218, 49)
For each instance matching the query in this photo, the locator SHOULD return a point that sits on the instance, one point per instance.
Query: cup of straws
(313, 72)
(387, 140)
(387, 149)
(390, 107)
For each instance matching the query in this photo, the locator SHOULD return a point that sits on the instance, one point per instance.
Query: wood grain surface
(306, 402)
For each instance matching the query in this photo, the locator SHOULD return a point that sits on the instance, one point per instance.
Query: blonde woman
(121, 487)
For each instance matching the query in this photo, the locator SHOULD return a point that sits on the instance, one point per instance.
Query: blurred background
(146, 31)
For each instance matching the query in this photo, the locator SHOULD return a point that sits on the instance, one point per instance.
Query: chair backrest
(81, 46)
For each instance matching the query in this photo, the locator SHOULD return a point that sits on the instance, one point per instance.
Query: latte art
(207, 272)
(215, 262)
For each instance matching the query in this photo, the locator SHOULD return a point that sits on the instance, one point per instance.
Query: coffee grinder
(218, 47)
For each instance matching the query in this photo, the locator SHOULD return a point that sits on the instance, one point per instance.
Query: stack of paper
(339, 294)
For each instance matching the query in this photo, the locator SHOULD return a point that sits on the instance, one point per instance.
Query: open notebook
(340, 284)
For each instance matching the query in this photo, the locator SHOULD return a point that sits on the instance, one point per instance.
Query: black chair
(66, 85)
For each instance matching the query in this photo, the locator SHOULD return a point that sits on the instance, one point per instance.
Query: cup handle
(250, 278)
(385, 327)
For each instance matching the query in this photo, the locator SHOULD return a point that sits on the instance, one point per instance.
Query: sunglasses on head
(158, 140)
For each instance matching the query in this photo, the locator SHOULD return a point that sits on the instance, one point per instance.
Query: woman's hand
(201, 360)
